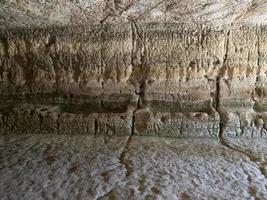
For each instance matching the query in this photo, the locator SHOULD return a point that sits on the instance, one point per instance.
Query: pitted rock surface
(86, 167)
(166, 68)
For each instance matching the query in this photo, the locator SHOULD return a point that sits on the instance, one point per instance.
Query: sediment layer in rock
(151, 75)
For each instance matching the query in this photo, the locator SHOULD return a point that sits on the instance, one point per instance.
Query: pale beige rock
(29, 14)
(198, 124)
(174, 58)
(85, 167)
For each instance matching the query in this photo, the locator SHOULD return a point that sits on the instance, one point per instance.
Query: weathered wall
(133, 71)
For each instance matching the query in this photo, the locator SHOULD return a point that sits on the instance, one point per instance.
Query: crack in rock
(252, 190)
(251, 155)
(122, 157)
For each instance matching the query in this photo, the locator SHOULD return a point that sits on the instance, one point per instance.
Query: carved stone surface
(176, 124)
(167, 68)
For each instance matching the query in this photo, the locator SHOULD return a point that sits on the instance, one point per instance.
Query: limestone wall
(167, 79)
(136, 68)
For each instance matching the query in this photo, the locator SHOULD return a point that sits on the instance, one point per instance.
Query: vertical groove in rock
(258, 46)
(176, 73)
(226, 142)
(178, 68)
(218, 81)
(225, 56)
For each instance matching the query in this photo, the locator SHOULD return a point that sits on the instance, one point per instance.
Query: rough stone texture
(47, 119)
(86, 167)
(176, 124)
(167, 68)
(243, 87)
(102, 68)
(29, 14)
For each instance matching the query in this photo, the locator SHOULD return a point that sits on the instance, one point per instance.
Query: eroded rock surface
(29, 14)
(87, 167)
(102, 69)
(167, 68)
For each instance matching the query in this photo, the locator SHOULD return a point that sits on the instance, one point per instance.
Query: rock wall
(137, 71)
(157, 79)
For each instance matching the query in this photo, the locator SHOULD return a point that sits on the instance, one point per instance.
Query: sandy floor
(86, 167)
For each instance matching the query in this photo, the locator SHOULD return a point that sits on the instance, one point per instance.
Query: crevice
(251, 155)
(218, 80)
(122, 156)
(221, 72)
(222, 125)
(58, 124)
(257, 79)
(226, 47)
(258, 45)
(41, 119)
(95, 127)
(138, 44)
(137, 30)
(217, 99)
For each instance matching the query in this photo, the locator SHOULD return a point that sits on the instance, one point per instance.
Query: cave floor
(87, 167)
